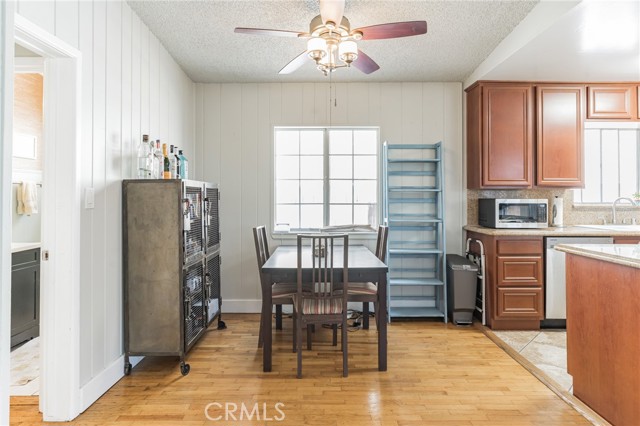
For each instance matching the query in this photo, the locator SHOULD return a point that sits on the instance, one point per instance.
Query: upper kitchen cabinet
(612, 102)
(559, 118)
(500, 135)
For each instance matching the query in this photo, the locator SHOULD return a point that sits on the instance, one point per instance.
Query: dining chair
(368, 292)
(282, 294)
(319, 297)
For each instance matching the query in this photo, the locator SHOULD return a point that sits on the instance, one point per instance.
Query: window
(325, 177)
(612, 160)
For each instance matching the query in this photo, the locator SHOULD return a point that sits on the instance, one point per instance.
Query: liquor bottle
(172, 163)
(167, 164)
(184, 166)
(152, 161)
(143, 158)
(178, 163)
(159, 160)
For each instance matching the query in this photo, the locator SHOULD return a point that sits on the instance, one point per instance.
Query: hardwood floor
(438, 374)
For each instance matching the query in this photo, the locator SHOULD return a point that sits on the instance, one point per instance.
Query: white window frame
(293, 232)
(608, 126)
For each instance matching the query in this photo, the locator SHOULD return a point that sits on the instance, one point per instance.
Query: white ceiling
(565, 40)
(200, 36)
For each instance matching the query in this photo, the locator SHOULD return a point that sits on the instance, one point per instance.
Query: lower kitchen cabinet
(514, 273)
(25, 296)
(626, 240)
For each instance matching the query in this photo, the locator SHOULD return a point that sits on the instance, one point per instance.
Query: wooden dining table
(363, 266)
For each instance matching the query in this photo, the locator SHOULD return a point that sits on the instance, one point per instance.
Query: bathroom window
(612, 163)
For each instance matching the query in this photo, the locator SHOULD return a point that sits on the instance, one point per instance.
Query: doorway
(26, 224)
(60, 291)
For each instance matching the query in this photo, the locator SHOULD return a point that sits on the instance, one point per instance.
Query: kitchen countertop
(569, 231)
(622, 254)
(18, 247)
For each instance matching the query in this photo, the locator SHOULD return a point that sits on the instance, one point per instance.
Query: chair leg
(260, 333)
(345, 350)
(365, 315)
(278, 317)
(376, 305)
(295, 331)
(299, 347)
(309, 332)
(334, 327)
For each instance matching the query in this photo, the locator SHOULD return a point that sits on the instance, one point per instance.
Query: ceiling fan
(330, 38)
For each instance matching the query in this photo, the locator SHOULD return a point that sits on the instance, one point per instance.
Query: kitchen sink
(623, 228)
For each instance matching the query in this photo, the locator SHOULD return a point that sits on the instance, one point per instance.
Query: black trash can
(462, 280)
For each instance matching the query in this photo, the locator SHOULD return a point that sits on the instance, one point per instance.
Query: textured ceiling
(200, 36)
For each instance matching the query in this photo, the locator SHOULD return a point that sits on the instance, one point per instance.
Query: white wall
(130, 86)
(234, 131)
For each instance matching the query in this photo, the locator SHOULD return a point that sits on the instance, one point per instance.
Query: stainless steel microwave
(513, 213)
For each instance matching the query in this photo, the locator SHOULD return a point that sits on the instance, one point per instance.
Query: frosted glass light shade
(348, 51)
(317, 47)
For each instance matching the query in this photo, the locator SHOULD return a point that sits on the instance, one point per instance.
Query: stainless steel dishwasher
(555, 309)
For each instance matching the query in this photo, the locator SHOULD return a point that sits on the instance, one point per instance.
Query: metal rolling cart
(171, 266)
(479, 260)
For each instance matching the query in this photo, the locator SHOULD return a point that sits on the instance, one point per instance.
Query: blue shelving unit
(413, 187)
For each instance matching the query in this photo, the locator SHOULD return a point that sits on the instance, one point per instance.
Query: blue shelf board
(416, 281)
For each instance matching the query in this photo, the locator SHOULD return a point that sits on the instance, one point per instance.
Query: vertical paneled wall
(130, 86)
(234, 137)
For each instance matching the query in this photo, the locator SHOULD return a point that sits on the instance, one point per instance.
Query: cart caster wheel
(184, 369)
(127, 369)
(221, 325)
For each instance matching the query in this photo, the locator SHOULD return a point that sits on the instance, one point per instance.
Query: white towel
(29, 198)
(19, 203)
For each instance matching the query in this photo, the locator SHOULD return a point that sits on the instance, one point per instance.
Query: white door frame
(60, 294)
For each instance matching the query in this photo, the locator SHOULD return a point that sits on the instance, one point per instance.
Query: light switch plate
(89, 199)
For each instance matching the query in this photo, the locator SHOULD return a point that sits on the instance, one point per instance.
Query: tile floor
(546, 349)
(25, 369)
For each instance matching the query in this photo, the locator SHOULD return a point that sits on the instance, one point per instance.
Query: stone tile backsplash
(573, 215)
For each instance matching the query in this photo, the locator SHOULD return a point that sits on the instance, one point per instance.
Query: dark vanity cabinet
(25, 295)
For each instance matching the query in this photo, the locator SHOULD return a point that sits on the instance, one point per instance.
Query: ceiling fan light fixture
(348, 51)
(317, 48)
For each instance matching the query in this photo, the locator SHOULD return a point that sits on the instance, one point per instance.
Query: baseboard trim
(97, 386)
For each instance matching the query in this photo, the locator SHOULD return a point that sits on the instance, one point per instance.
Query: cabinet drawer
(26, 256)
(520, 271)
(626, 240)
(520, 303)
(520, 246)
(611, 101)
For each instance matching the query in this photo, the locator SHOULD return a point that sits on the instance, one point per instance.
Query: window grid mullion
(325, 169)
(353, 174)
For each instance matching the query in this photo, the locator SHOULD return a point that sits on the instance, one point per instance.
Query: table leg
(382, 322)
(266, 322)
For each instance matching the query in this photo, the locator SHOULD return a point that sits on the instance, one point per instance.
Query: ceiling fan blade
(393, 30)
(264, 31)
(296, 63)
(332, 10)
(365, 64)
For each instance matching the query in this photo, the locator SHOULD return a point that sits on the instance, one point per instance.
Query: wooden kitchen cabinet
(500, 135)
(514, 273)
(559, 146)
(626, 240)
(612, 101)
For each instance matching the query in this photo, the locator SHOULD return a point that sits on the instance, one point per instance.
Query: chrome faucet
(613, 207)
